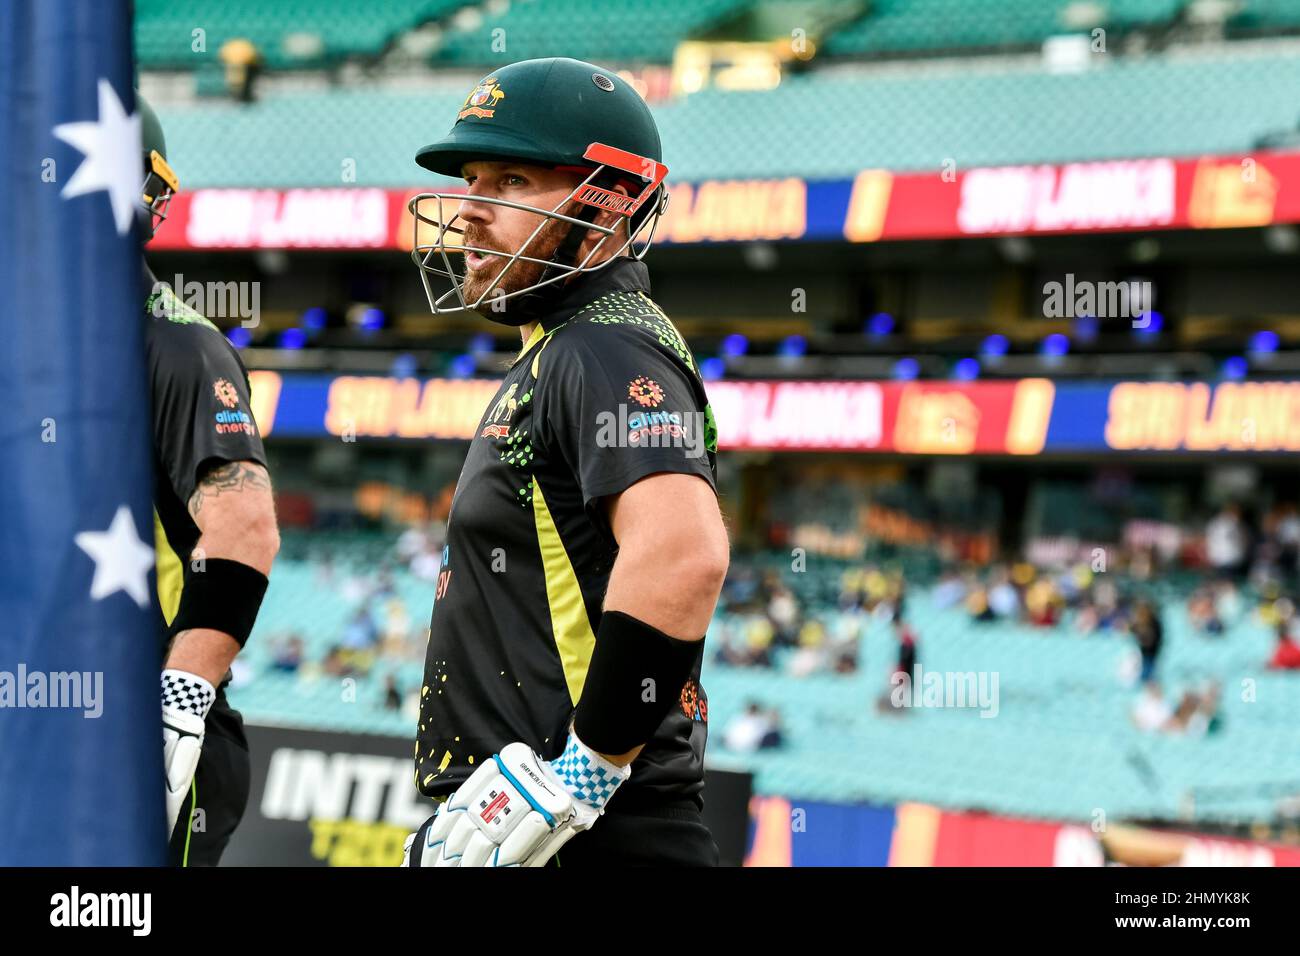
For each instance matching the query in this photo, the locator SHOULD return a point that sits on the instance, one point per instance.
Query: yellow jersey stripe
(569, 624)
(171, 575)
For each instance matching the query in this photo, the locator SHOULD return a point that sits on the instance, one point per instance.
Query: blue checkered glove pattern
(517, 809)
(587, 775)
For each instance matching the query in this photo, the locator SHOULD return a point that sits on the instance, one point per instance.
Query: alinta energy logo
(646, 425)
(231, 418)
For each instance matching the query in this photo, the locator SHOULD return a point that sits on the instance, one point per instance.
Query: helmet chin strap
(532, 305)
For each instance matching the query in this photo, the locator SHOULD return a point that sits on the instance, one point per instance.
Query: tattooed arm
(233, 508)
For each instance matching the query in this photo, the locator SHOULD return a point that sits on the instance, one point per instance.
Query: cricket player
(216, 537)
(585, 546)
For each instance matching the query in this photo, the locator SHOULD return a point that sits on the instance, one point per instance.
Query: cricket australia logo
(487, 92)
(498, 420)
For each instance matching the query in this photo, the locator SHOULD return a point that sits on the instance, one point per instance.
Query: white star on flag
(112, 150)
(122, 560)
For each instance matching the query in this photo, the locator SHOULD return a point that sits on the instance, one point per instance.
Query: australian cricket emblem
(487, 92)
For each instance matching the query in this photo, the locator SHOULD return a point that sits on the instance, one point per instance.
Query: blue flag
(81, 778)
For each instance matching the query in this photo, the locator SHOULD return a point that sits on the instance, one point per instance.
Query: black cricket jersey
(604, 393)
(201, 418)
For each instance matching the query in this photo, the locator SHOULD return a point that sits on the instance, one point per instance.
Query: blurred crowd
(381, 631)
(762, 622)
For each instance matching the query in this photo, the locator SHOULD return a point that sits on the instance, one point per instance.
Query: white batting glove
(186, 700)
(518, 809)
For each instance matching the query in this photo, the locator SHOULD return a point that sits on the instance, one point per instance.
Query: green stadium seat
(1205, 103)
(165, 36)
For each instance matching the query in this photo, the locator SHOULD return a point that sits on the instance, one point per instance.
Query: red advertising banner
(968, 839)
(974, 839)
(1209, 192)
(924, 418)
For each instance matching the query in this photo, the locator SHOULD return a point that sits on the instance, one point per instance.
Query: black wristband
(634, 678)
(224, 596)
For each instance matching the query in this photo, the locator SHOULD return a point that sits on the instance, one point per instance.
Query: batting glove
(517, 809)
(186, 700)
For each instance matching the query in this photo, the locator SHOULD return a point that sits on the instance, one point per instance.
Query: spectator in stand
(949, 591)
(846, 638)
(1205, 719)
(741, 586)
(1086, 620)
(877, 586)
(1043, 603)
(904, 669)
(1188, 709)
(361, 633)
(1227, 542)
(1286, 532)
(1227, 602)
(1105, 599)
(1202, 613)
(392, 695)
(977, 604)
(1286, 653)
(385, 584)
(852, 589)
(397, 625)
(411, 543)
(759, 635)
(1152, 712)
(772, 738)
(1142, 564)
(287, 655)
(1149, 634)
(427, 563)
(783, 612)
(811, 655)
(746, 731)
(907, 648)
(1072, 584)
(1004, 599)
(340, 663)
(746, 641)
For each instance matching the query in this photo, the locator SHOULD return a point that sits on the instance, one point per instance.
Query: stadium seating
(1266, 16)
(613, 30)
(1062, 734)
(164, 38)
(1062, 737)
(313, 33)
(1220, 102)
(913, 26)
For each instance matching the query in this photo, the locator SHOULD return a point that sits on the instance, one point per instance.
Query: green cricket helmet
(160, 182)
(564, 114)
